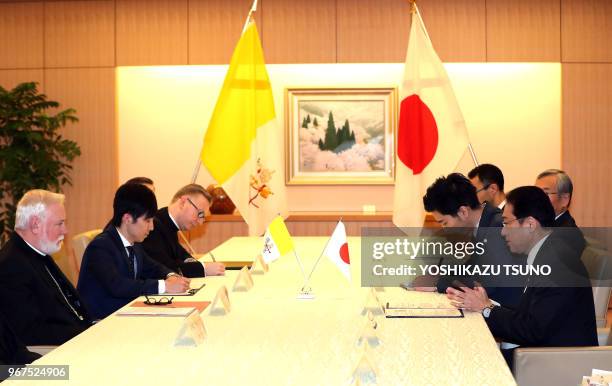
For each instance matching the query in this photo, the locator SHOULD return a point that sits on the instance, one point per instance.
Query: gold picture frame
(360, 150)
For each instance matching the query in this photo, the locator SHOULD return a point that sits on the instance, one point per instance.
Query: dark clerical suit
(12, 350)
(163, 245)
(107, 281)
(553, 316)
(39, 302)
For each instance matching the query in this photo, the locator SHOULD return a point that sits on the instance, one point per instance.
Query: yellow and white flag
(242, 148)
(277, 240)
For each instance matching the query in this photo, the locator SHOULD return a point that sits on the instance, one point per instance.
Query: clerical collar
(35, 249)
(125, 241)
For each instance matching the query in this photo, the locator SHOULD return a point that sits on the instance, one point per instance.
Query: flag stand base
(305, 294)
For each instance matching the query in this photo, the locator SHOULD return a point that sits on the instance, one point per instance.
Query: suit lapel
(119, 245)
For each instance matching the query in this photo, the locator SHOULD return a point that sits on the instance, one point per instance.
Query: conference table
(270, 337)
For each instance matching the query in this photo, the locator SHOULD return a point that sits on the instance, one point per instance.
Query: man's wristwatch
(487, 310)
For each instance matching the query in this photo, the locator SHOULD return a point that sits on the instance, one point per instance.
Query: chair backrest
(80, 242)
(559, 366)
(604, 337)
(598, 263)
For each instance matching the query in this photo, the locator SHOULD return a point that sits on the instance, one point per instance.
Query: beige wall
(72, 48)
(503, 103)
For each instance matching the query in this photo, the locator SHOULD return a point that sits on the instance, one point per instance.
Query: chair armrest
(42, 350)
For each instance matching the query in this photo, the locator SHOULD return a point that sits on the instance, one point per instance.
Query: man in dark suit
(39, 302)
(559, 188)
(550, 313)
(115, 269)
(186, 211)
(488, 180)
(453, 203)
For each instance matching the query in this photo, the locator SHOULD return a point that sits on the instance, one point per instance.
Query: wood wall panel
(92, 93)
(456, 28)
(523, 31)
(11, 78)
(215, 27)
(152, 32)
(586, 30)
(299, 31)
(21, 35)
(363, 25)
(80, 33)
(587, 140)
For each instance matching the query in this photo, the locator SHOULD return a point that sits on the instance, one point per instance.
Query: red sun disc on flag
(417, 139)
(344, 253)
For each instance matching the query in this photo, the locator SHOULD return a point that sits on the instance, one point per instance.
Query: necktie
(131, 261)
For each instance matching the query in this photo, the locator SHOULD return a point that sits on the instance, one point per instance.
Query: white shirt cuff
(203, 267)
(161, 285)
(494, 302)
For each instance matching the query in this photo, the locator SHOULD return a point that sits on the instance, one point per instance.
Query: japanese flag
(338, 252)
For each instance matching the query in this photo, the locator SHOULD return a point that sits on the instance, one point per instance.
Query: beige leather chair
(79, 243)
(604, 337)
(42, 350)
(559, 366)
(598, 263)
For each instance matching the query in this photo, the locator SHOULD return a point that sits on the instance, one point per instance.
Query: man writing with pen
(186, 211)
(115, 268)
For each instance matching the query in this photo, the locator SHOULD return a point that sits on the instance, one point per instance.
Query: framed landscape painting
(340, 135)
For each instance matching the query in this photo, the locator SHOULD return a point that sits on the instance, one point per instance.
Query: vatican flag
(242, 147)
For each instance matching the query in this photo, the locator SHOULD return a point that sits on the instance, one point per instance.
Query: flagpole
(191, 250)
(299, 263)
(471, 149)
(319, 259)
(196, 170)
(250, 15)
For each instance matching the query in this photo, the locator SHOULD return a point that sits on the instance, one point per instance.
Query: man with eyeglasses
(559, 188)
(488, 180)
(186, 211)
(553, 310)
(115, 268)
(453, 203)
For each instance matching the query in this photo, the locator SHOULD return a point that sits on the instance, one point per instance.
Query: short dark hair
(531, 201)
(140, 180)
(488, 174)
(136, 200)
(447, 194)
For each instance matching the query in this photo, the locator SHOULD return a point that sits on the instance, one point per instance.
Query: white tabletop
(271, 338)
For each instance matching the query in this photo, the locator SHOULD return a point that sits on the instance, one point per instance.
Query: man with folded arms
(38, 301)
(186, 211)
(115, 268)
(551, 312)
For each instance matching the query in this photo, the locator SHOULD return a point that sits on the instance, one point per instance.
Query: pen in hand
(212, 257)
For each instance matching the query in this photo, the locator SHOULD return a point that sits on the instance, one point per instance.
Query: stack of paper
(598, 378)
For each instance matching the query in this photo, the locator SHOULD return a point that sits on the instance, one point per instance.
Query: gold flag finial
(412, 6)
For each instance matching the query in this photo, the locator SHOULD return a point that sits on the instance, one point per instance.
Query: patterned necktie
(131, 260)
